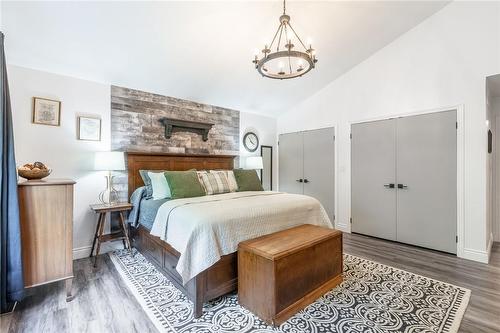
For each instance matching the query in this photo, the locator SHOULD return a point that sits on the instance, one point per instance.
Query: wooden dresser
(281, 273)
(46, 211)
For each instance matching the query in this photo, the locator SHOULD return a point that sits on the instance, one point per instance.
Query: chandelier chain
(300, 40)
(274, 38)
(279, 39)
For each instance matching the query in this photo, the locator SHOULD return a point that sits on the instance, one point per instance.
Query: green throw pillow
(184, 184)
(247, 180)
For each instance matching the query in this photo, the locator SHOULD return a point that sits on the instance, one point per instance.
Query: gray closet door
(291, 168)
(373, 156)
(427, 165)
(319, 167)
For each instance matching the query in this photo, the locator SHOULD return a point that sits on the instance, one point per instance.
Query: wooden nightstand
(103, 210)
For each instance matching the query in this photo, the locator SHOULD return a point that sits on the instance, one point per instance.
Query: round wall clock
(251, 141)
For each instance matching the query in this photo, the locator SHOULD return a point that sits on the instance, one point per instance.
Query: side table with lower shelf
(122, 234)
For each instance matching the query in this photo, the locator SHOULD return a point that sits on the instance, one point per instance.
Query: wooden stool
(103, 210)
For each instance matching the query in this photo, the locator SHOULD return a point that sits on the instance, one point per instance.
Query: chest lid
(283, 243)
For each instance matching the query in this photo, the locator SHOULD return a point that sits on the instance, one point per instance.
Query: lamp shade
(254, 163)
(109, 161)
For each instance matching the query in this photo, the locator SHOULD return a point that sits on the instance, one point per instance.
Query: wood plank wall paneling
(135, 126)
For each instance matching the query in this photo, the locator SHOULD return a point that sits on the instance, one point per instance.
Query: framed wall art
(89, 128)
(46, 111)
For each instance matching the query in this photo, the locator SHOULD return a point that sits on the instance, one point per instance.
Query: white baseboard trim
(84, 251)
(342, 227)
(490, 245)
(476, 255)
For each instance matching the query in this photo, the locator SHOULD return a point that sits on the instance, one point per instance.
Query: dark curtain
(11, 268)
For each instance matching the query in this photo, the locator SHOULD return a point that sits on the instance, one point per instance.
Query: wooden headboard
(175, 162)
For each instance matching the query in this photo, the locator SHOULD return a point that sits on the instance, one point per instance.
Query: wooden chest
(281, 273)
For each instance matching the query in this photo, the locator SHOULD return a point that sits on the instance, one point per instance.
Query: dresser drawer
(169, 263)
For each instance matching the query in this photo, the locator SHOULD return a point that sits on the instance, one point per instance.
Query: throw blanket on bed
(203, 229)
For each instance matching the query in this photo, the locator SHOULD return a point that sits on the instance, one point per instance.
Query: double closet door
(404, 180)
(307, 165)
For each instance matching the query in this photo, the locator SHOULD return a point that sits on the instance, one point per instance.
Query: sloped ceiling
(200, 51)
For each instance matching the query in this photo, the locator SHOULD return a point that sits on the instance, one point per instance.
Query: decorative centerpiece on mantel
(176, 125)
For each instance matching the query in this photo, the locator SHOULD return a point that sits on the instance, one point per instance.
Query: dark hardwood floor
(104, 304)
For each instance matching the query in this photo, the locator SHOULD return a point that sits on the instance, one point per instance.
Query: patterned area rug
(372, 298)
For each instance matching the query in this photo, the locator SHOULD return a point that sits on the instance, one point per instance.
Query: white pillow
(159, 183)
(233, 185)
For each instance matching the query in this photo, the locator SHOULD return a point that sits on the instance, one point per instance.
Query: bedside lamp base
(109, 196)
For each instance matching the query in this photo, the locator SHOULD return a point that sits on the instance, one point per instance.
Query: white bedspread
(205, 228)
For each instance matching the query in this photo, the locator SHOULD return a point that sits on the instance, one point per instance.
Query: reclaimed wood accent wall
(136, 126)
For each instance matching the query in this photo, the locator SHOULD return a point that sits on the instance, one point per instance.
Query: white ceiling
(200, 51)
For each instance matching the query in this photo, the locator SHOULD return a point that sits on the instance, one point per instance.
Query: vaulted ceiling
(201, 51)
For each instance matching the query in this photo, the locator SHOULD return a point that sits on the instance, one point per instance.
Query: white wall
(58, 147)
(265, 128)
(442, 62)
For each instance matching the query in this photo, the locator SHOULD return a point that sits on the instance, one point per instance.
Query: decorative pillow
(199, 173)
(159, 184)
(214, 182)
(233, 186)
(184, 184)
(147, 181)
(247, 180)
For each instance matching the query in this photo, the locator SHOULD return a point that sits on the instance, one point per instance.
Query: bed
(197, 251)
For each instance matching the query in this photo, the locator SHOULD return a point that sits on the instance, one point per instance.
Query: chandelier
(281, 60)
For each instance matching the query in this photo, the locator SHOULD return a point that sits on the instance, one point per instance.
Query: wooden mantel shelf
(176, 125)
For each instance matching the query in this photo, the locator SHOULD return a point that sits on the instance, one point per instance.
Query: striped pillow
(233, 186)
(214, 183)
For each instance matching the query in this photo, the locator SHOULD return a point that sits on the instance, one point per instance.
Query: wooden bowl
(34, 174)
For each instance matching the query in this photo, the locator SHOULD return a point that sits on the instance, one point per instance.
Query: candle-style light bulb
(281, 65)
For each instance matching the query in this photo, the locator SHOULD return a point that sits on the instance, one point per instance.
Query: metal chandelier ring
(285, 54)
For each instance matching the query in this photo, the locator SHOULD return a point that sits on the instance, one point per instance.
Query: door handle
(299, 180)
(402, 186)
(391, 185)
(306, 181)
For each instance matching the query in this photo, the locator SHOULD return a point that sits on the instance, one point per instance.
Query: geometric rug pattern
(373, 298)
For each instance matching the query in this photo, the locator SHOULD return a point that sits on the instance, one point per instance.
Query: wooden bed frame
(219, 279)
